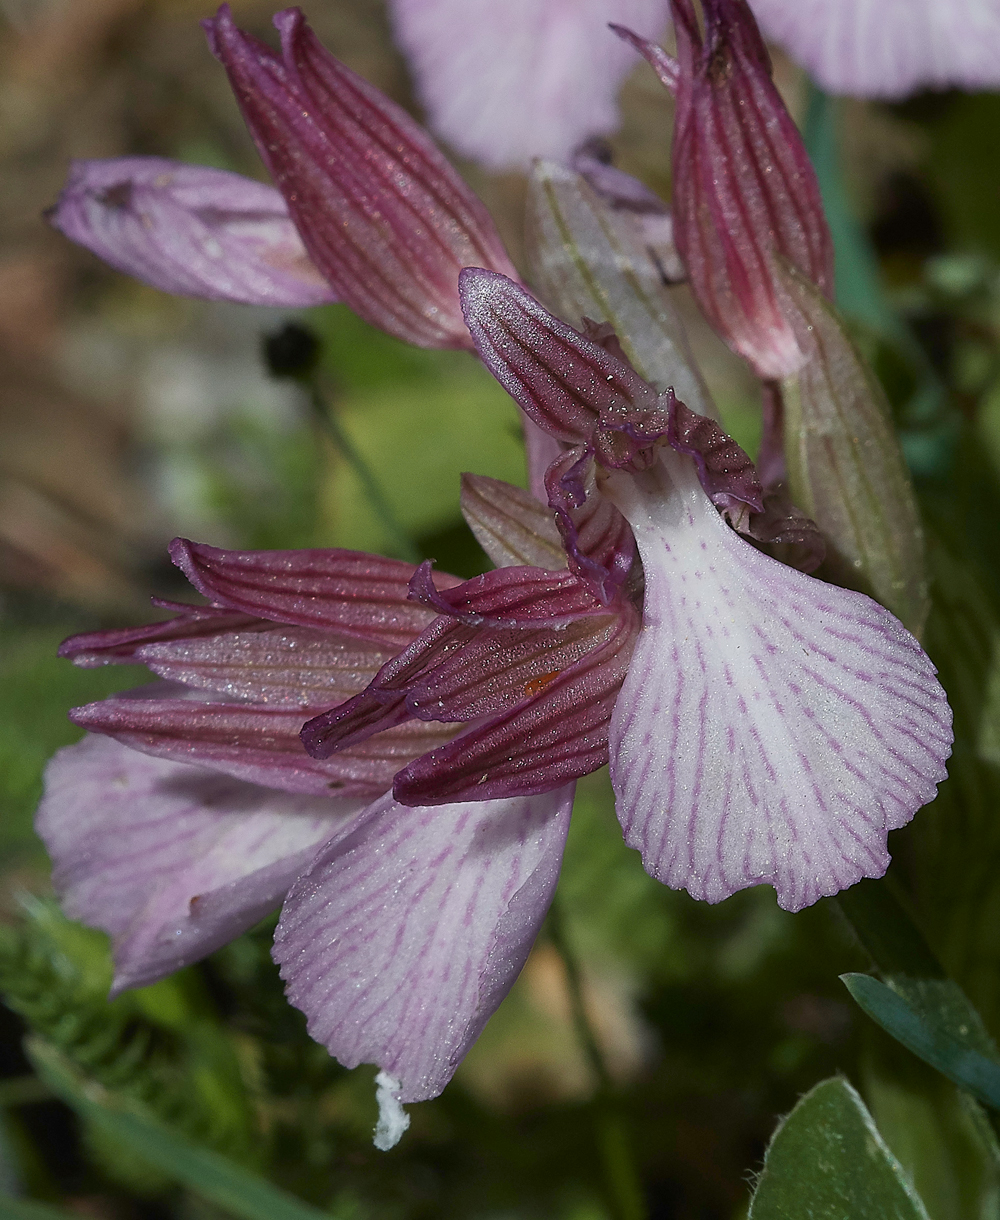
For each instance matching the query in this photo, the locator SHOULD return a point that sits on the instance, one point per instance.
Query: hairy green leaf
(827, 1161)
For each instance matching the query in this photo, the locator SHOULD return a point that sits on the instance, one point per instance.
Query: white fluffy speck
(392, 1118)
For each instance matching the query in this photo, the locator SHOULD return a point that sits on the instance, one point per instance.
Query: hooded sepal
(845, 465)
(588, 259)
(190, 230)
(382, 213)
(744, 189)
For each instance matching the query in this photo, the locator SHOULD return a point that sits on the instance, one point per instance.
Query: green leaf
(932, 1018)
(827, 1161)
(846, 467)
(586, 261)
(214, 1177)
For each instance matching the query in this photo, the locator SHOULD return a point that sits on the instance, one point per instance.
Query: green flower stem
(613, 1139)
(327, 419)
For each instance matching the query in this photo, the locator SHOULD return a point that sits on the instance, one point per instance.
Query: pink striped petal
(509, 597)
(889, 48)
(743, 186)
(119, 646)
(258, 744)
(190, 230)
(556, 733)
(383, 215)
(772, 728)
(170, 860)
(357, 594)
(298, 666)
(507, 82)
(511, 525)
(403, 937)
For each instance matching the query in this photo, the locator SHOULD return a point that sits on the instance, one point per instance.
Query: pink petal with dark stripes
(561, 380)
(743, 186)
(403, 937)
(383, 215)
(356, 594)
(171, 860)
(558, 732)
(120, 645)
(509, 597)
(259, 744)
(772, 728)
(190, 230)
(889, 48)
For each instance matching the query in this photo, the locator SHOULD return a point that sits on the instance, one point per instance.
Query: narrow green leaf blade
(935, 1028)
(827, 1161)
(208, 1174)
(587, 262)
(845, 464)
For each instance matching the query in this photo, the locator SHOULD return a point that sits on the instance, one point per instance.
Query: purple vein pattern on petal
(889, 48)
(383, 215)
(771, 728)
(190, 230)
(507, 82)
(171, 860)
(258, 744)
(403, 937)
(348, 591)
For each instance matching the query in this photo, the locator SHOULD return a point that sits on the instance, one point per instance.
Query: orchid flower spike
(190, 811)
(383, 215)
(770, 727)
(743, 186)
(505, 83)
(878, 49)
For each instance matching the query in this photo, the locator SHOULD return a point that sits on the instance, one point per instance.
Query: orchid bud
(383, 215)
(744, 189)
(190, 230)
(845, 466)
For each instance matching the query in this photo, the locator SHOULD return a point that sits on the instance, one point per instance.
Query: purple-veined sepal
(257, 743)
(590, 259)
(350, 592)
(772, 728)
(511, 525)
(190, 230)
(744, 189)
(383, 215)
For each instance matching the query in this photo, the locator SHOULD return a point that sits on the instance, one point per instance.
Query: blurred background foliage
(127, 417)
